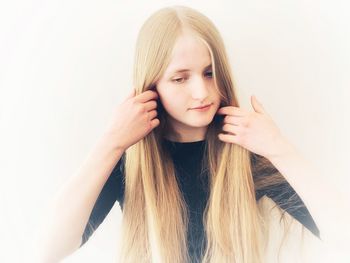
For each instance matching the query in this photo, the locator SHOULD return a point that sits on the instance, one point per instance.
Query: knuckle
(150, 115)
(132, 101)
(141, 108)
(246, 122)
(241, 138)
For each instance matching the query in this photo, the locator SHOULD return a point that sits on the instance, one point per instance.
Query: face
(186, 84)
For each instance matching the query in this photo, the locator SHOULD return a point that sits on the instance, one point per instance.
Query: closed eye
(177, 80)
(209, 74)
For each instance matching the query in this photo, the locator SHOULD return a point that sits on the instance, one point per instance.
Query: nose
(199, 89)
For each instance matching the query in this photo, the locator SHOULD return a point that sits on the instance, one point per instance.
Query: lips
(201, 107)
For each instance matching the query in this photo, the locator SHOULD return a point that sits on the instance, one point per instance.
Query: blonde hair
(155, 216)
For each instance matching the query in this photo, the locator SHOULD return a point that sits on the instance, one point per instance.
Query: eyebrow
(185, 70)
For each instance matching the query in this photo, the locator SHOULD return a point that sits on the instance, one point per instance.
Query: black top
(187, 158)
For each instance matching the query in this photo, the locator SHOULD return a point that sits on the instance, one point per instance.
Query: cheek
(174, 103)
(216, 98)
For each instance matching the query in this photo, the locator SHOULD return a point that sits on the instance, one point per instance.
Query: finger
(147, 95)
(257, 105)
(234, 120)
(231, 110)
(150, 105)
(231, 129)
(155, 123)
(228, 138)
(152, 114)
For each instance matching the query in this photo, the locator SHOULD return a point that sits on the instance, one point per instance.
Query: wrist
(108, 142)
(284, 148)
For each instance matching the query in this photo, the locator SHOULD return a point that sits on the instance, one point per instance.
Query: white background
(64, 66)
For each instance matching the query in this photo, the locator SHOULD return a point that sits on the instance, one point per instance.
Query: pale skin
(256, 131)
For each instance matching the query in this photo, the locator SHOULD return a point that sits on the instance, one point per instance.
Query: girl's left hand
(255, 131)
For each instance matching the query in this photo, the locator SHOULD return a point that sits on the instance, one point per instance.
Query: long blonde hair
(155, 216)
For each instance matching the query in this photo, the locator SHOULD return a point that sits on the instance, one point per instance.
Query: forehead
(190, 53)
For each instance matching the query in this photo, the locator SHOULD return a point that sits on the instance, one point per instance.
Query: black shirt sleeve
(282, 194)
(287, 198)
(112, 191)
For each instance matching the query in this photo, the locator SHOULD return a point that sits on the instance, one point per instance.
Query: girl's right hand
(133, 119)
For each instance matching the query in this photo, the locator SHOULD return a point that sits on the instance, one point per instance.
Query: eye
(178, 80)
(210, 74)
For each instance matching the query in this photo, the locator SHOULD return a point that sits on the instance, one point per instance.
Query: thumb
(131, 94)
(258, 107)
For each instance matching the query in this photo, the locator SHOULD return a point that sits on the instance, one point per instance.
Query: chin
(200, 122)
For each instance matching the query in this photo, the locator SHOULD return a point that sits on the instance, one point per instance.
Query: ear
(257, 106)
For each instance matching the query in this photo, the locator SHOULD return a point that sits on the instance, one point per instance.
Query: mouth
(201, 107)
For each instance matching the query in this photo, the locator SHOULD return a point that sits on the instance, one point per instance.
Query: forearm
(71, 207)
(328, 207)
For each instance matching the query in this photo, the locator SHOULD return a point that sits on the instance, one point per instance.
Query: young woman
(194, 173)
